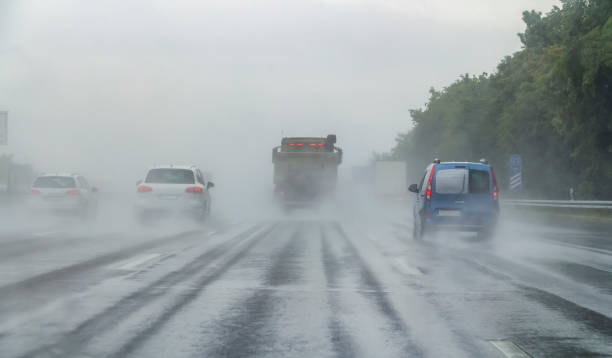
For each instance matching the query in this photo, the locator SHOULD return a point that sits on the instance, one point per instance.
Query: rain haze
(126, 84)
(309, 178)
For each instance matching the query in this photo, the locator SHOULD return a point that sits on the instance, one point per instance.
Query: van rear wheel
(486, 234)
(418, 229)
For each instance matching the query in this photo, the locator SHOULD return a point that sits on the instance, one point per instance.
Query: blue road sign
(516, 173)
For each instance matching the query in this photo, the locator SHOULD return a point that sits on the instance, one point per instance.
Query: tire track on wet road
(57, 281)
(138, 340)
(75, 341)
(378, 297)
(597, 323)
(342, 342)
(248, 331)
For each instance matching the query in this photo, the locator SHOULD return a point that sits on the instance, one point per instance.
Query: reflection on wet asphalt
(304, 287)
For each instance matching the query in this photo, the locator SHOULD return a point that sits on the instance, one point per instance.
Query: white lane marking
(49, 233)
(409, 270)
(509, 349)
(137, 261)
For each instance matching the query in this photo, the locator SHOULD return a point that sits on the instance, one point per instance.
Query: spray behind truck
(305, 169)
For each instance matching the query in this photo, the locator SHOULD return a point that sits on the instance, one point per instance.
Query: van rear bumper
(460, 227)
(465, 223)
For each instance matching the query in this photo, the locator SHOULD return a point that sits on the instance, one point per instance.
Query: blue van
(460, 196)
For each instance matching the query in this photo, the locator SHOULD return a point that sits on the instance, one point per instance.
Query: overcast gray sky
(109, 87)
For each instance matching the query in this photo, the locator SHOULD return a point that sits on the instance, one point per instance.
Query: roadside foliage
(551, 102)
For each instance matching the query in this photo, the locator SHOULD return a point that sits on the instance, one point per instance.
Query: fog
(109, 88)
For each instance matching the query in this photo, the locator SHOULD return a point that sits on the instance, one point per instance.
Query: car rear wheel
(205, 213)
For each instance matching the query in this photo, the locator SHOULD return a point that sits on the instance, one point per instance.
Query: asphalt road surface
(303, 286)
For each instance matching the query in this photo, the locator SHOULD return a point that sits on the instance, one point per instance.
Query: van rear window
(462, 181)
(450, 181)
(479, 182)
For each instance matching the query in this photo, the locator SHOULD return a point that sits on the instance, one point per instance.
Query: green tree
(551, 102)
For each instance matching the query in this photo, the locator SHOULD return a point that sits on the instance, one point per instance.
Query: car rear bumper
(64, 205)
(175, 207)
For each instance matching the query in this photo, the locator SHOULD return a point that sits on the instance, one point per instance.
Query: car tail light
(144, 189)
(194, 189)
(429, 180)
(34, 191)
(494, 183)
(73, 192)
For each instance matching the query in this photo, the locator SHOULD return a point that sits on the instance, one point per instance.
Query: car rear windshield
(54, 182)
(462, 181)
(170, 176)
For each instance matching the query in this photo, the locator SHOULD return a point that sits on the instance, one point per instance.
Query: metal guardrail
(578, 204)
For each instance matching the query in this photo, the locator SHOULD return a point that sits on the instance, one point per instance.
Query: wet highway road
(304, 287)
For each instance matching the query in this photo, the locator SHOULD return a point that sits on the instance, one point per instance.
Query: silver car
(62, 193)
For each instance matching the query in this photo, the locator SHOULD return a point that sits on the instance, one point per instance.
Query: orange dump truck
(305, 169)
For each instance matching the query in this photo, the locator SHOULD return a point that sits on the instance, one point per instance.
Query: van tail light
(194, 190)
(34, 191)
(144, 189)
(495, 194)
(429, 180)
(73, 192)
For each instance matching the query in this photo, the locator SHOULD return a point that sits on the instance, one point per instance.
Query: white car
(59, 192)
(173, 189)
